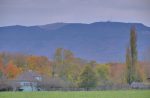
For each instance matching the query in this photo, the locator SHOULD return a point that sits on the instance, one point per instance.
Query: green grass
(79, 94)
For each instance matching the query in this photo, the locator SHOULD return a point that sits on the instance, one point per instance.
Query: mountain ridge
(100, 41)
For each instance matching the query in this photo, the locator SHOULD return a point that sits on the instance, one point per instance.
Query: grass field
(81, 94)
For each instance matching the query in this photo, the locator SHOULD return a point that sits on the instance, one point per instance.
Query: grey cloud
(30, 12)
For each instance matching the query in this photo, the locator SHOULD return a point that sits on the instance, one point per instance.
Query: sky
(39, 12)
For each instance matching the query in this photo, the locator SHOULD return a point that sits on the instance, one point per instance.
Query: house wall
(28, 86)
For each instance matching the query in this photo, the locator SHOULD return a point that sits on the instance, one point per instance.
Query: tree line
(66, 70)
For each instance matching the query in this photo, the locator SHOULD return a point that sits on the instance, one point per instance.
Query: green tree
(103, 72)
(133, 49)
(1, 68)
(130, 77)
(88, 77)
(57, 62)
(66, 66)
(132, 59)
(68, 63)
(63, 63)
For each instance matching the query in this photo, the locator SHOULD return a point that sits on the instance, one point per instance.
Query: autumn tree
(73, 71)
(20, 60)
(39, 64)
(63, 60)
(5, 57)
(43, 66)
(88, 77)
(68, 64)
(57, 61)
(12, 70)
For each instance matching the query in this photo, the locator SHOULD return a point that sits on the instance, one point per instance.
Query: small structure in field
(140, 85)
(28, 81)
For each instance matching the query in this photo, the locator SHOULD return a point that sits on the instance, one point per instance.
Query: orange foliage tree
(11, 70)
(40, 64)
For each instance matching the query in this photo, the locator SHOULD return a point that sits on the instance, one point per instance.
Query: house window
(38, 78)
(27, 84)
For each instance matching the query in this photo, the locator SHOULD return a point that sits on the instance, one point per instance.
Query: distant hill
(100, 41)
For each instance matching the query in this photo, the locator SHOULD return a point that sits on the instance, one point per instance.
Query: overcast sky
(37, 12)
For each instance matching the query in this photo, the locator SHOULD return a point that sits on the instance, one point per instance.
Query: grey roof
(27, 76)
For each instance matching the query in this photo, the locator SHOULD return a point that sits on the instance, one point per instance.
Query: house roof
(28, 76)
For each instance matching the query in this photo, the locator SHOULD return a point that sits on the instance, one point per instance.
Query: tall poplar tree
(132, 59)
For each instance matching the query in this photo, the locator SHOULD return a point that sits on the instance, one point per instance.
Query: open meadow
(79, 94)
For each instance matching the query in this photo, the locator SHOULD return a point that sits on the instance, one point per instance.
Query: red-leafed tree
(11, 70)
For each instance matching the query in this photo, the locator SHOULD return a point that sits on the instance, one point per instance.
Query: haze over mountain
(100, 41)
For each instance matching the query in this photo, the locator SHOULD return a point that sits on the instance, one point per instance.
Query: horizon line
(76, 23)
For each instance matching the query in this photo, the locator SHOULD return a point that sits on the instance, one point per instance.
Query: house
(28, 81)
(140, 85)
